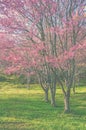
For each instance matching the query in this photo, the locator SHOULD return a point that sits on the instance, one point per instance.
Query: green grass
(22, 109)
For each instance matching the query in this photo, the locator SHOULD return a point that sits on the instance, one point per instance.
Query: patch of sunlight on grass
(7, 119)
(20, 92)
(81, 89)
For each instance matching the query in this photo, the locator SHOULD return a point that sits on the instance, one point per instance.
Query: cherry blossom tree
(46, 36)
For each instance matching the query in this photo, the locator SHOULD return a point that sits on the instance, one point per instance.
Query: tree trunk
(74, 85)
(74, 89)
(67, 102)
(45, 87)
(28, 82)
(53, 103)
(46, 96)
(53, 90)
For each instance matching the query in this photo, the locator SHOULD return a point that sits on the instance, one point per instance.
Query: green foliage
(3, 78)
(22, 79)
(22, 109)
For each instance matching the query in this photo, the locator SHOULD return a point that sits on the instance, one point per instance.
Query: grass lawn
(22, 109)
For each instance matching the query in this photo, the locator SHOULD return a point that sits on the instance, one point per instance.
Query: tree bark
(53, 102)
(53, 88)
(74, 89)
(67, 101)
(67, 104)
(46, 96)
(74, 84)
(28, 82)
(45, 88)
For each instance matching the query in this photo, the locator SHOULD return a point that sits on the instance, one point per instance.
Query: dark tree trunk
(52, 92)
(46, 96)
(74, 86)
(74, 89)
(28, 83)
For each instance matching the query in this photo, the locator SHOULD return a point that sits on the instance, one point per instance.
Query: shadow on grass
(30, 112)
(25, 108)
(78, 103)
(30, 108)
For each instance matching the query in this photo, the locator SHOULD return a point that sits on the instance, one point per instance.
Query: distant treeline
(80, 79)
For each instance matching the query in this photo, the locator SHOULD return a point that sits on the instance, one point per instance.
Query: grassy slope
(22, 109)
